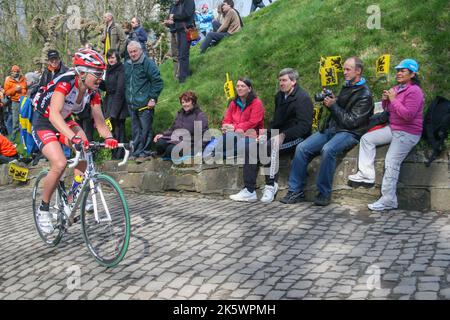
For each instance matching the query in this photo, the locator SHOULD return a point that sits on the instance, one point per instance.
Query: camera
(319, 97)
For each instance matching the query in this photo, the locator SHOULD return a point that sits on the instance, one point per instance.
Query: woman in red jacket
(243, 120)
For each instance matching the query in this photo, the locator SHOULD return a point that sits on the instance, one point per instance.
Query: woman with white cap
(404, 103)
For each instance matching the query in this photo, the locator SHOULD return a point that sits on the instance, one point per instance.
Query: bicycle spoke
(106, 230)
(105, 206)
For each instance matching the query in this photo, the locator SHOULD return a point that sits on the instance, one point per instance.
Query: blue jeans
(15, 106)
(328, 145)
(8, 120)
(255, 6)
(142, 133)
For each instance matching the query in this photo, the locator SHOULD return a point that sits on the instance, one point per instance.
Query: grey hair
(109, 14)
(134, 44)
(32, 78)
(292, 74)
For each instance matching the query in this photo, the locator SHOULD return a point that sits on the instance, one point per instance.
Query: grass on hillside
(295, 33)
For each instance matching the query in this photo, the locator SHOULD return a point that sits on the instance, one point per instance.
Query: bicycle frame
(68, 209)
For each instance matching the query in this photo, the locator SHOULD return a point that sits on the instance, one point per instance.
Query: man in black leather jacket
(348, 121)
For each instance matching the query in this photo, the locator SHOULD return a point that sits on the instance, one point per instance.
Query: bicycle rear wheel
(106, 229)
(54, 237)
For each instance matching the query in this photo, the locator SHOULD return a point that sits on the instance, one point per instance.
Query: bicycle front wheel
(105, 220)
(50, 235)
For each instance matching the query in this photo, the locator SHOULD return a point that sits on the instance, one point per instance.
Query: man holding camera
(348, 121)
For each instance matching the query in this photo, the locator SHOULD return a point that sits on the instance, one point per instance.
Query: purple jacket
(406, 111)
(185, 120)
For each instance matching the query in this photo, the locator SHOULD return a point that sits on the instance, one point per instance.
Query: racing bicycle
(103, 210)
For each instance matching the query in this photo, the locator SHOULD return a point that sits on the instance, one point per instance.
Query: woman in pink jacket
(404, 103)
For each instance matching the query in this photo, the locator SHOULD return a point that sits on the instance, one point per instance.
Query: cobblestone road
(191, 248)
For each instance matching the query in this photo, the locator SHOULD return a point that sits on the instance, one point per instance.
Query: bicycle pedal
(76, 219)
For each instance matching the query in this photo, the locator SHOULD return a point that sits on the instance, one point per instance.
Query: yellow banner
(107, 45)
(334, 62)
(18, 173)
(383, 64)
(317, 112)
(229, 88)
(323, 63)
(331, 62)
(328, 77)
(109, 124)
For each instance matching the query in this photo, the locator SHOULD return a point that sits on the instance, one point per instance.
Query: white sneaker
(45, 221)
(358, 177)
(379, 206)
(269, 193)
(245, 196)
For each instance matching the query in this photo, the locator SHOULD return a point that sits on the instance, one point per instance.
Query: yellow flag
(18, 173)
(335, 62)
(323, 62)
(108, 124)
(107, 45)
(317, 112)
(229, 88)
(328, 77)
(383, 64)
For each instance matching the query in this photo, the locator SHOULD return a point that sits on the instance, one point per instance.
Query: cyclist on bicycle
(69, 93)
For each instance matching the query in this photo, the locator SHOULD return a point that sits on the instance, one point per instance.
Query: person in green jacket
(143, 84)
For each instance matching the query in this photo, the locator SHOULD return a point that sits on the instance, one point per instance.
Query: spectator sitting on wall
(189, 114)
(348, 121)
(292, 119)
(404, 104)
(242, 123)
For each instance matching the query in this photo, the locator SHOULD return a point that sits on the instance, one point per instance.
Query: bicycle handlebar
(128, 147)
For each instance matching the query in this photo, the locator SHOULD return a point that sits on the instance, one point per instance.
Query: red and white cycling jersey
(67, 84)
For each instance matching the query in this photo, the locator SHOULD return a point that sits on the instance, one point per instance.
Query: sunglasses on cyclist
(97, 74)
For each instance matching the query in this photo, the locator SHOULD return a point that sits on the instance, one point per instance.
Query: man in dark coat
(348, 121)
(140, 33)
(184, 15)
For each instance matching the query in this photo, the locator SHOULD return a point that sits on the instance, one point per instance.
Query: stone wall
(419, 187)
